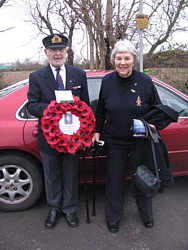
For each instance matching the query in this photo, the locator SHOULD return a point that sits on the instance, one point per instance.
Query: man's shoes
(149, 224)
(113, 227)
(52, 219)
(72, 220)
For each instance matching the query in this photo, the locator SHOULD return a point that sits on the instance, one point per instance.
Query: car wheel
(21, 182)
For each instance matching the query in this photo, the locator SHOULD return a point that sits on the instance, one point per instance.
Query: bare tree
(84, 11)
(103, 22)
(165, 20)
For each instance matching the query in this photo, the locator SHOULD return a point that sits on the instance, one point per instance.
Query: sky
(19, 43)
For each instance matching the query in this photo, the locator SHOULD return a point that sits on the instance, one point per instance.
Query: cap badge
(56, 39)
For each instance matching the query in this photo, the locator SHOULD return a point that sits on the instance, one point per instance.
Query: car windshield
(12, 88)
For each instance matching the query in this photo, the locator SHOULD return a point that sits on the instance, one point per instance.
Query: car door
(176, 134)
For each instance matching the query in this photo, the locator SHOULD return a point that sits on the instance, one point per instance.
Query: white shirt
(62, 73)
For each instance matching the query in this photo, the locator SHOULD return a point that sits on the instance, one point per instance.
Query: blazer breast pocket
(76, 90)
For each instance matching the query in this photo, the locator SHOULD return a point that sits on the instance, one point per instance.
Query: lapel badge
(138, 101)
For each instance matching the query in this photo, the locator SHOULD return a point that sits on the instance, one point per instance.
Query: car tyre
(21, 182)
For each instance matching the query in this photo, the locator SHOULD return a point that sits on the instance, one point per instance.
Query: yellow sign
(141, 21)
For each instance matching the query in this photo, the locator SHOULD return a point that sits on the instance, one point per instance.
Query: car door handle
(35, 133)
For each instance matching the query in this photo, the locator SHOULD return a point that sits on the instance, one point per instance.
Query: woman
(125, 94)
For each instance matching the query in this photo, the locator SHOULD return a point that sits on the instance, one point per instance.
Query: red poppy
(47, 114)
(87, 141)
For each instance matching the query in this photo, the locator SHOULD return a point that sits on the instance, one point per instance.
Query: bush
(176, 77)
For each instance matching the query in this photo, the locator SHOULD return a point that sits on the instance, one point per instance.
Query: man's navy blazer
(42, 86)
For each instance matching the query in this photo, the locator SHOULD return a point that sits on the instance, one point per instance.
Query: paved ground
(25, 231)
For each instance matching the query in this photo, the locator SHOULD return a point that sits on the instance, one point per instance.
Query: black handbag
(147, 182)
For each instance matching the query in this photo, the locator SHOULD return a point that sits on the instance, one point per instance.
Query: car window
(93, 88)
(23, 113)
(172, 100)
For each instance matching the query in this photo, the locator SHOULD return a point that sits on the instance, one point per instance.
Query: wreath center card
(69, 123)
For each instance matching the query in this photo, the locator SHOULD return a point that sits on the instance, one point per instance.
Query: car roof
(13, 87)
(95, 73)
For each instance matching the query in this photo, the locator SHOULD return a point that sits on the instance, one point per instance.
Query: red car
(21, 178)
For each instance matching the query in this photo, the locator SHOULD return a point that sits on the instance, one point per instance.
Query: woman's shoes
(113, 227)
(149, 224)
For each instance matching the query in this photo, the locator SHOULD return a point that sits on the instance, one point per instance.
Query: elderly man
(60, 170)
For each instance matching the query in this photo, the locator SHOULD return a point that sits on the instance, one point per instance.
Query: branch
(7, 29)
(169, 29)
(2, 2)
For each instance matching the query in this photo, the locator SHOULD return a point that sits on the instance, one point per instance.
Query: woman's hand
(96, 137)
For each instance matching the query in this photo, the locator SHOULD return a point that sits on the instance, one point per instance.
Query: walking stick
(86, 187)
(94, 181)
(97, 146)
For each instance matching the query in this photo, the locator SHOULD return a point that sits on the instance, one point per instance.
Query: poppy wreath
(68, 143)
